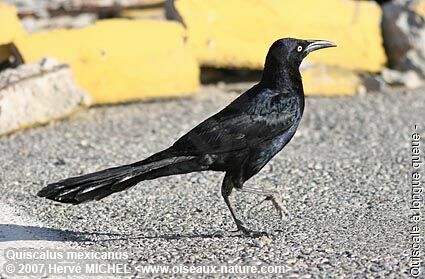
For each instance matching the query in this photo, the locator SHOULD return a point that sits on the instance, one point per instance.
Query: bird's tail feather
(97, 185)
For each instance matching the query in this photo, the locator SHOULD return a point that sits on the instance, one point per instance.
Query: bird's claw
(283, 213)
(248, 232)
(277, 205)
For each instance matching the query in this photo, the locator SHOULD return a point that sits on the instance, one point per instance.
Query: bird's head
(291, 52)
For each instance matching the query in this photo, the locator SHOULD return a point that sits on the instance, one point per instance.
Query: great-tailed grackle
(239, 140)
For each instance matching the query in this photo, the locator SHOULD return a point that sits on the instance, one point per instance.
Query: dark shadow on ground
(13, 232)
(177, 236)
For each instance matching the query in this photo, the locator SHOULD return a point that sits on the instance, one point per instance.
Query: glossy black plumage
(239, 140)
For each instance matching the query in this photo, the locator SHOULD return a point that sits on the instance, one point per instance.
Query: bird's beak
(318, 44)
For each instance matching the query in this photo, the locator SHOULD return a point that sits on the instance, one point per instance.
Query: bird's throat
(283, 78)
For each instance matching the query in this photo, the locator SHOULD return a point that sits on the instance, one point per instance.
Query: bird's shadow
(14, 232)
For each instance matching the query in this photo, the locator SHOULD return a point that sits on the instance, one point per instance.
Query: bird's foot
(277, 205)
(283, 213)
(248, 232)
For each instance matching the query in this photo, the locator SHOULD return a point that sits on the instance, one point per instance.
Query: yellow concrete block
(237, 33)
(120, 60)
(10, 26)
(330, 81)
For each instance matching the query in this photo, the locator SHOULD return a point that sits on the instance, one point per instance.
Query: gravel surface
(343, 177)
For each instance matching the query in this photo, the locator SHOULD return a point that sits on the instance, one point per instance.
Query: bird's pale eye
(299, 48)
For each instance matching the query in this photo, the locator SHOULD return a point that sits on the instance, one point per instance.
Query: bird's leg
(270, 196)
(226, 190)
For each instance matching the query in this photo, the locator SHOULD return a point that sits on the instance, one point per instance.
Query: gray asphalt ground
(343, 177)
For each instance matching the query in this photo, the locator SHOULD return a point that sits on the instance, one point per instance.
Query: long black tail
(97, 185)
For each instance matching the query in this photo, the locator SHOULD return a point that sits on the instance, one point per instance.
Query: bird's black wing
(249, 120)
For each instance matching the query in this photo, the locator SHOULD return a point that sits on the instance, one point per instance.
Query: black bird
(239, 140)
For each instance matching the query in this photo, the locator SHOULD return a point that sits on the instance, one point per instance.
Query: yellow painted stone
(119, 60)
(10, 26)
(321, 80)
(237, 33)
